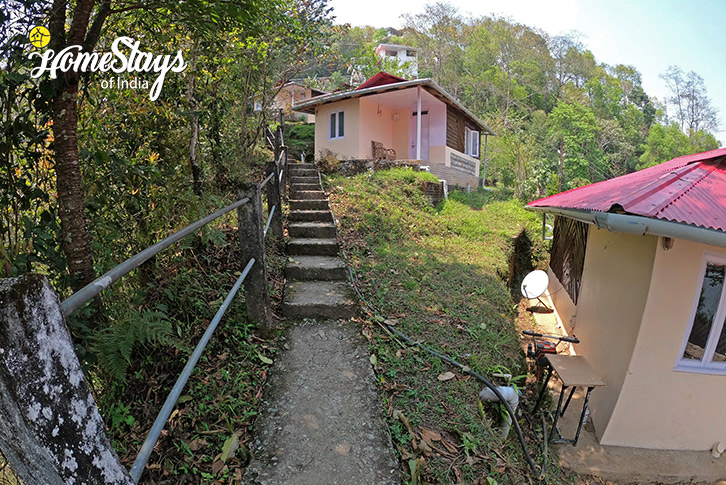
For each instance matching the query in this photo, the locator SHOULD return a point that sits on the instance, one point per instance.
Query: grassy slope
(441, 273)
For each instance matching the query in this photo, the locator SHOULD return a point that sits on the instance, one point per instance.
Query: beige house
(291, 93)
(637, 274)
(414, 120)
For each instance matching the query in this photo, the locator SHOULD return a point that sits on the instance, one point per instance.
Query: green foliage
(663, 143)
(300, 141)
(575, 127)
(114, 346)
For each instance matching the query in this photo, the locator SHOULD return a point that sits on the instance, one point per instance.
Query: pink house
(637, 272)
(417, 120)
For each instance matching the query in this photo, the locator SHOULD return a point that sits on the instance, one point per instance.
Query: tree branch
(79, 24)
(95, 31)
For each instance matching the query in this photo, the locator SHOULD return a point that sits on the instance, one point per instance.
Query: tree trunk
(69, 185)
(75, 240)
(194, 106)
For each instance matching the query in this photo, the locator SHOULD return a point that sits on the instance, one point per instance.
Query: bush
(300, 140)
(328, 162)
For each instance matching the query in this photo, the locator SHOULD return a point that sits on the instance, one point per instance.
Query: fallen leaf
(217, 467)
(446, 376)
(230, 447)
(196, 444)
(425, 448)
(428, 435)
(457, 473)
(450, 447)
(415, 472)
(264, 359)
(391, 321)
(405, 454)
(404, 420)
(374, 360)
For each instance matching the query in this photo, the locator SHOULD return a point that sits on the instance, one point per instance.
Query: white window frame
(334, 125)
(706, 365)
(472, 140)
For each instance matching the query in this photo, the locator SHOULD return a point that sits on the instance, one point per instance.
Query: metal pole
(102, 282)
(484, 169)
(418, 123)
(273, 200)
(269, 220)
(148, 446)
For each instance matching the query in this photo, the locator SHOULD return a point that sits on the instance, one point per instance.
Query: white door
(424, 136)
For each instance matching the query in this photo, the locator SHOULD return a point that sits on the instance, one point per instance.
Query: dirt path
(321, 421)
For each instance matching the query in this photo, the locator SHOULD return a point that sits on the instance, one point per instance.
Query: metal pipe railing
(269, 220)
(97, 286)
(148, 446)
(267, 179)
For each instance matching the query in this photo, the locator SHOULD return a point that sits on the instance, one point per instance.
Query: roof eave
(641, 225)
(309, 106)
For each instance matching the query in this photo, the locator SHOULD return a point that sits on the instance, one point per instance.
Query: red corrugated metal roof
(689, 189)
(381, 78)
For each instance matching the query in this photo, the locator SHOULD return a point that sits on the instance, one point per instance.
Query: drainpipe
(640, 225)
(511, 396)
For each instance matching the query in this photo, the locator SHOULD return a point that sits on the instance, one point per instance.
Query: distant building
(406, 56)
(293, 93)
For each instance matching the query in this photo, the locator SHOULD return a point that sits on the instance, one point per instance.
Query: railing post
(274, 199)
(252, 245)
(51, 431)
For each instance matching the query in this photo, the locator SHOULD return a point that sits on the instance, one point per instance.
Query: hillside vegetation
(562, 118)
(439, 274)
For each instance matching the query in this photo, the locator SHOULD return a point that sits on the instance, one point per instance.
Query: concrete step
(310, 216)
(319, 299)
(319, 268)
(308, 205)
(304, 180)
(308, 195)
(312, 247)
(303, 174)
(303, 165)
(318, 230)
(305, 187)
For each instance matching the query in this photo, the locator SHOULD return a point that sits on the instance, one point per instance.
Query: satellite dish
(534, 285)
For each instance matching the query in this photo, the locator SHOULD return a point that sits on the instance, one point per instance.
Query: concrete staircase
(317, 278)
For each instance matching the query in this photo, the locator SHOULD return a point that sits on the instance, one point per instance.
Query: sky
(650, 35)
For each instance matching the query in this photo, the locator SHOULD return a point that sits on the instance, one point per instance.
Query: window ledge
(714, 371)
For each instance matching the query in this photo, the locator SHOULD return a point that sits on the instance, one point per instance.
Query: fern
(114, 345)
